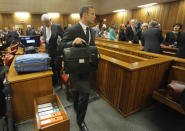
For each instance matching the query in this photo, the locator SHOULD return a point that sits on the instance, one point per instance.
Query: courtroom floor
(102, 117)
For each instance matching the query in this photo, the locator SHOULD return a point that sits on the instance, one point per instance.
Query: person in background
(173, 38)
(128, 24)
(104, 26)
(96, 28)
(112, 34)
(144, 27)
(65, 27)
(106, 34)
(152, 38)
(122, 33)
(50, 36)
(4, 33)
(131, 32)
(30, 31)
(181, 52)
(80, 34)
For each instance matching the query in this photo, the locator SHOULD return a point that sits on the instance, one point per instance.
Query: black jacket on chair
(181, 51)
(151, 39)
(170, 39)
(81, 82)
(56, 31)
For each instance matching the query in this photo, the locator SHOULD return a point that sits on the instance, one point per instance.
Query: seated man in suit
(181, 51)
(80, 34)
(50, 35)
(131, 32)
(152, 38)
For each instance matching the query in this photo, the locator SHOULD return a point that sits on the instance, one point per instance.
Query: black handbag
(78, 60)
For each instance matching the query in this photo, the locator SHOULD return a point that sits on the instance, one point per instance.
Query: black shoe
(83, 127)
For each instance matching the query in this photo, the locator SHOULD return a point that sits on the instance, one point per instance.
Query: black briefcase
(30, 50)
(81, 59)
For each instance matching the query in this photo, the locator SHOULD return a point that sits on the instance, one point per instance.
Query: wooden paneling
(118, 18)
(166, 14)
(9, 20)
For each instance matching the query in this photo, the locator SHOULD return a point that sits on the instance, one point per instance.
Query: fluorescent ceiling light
(147, 5)
(22, 14)
(120, 10)
(53, 15)
(75, 15)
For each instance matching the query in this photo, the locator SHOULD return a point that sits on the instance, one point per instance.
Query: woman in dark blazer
(122, 33)
(173, 38)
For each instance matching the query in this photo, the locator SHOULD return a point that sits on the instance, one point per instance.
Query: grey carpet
(102, 117)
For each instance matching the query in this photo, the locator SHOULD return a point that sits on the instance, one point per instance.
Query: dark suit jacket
(56, 31)
(151, 39)
(122, 35)
(10, 36)
(30, 32)
(181, 51)
(170, 39)
(129, 33)
(81, 82)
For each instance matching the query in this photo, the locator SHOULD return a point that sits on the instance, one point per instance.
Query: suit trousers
(56, 64)
(80, 105)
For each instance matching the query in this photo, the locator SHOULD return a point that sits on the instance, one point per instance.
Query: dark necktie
(87, 35)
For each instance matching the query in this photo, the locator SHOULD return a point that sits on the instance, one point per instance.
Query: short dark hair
(178, 24)
(85, 9)
(153, 23)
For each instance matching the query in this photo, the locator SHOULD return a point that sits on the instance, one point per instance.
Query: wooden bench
(166, 50)
(127, 85)
(25, 88)
(176, 70)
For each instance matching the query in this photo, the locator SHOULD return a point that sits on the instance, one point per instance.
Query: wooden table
(25, 88)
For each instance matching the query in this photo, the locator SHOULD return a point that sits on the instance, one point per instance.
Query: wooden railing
(127, 76)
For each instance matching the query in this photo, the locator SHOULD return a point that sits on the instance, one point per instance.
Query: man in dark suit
(30, 31)
(181, 51)
(131, 32)
(152, 38)
(51, 32)
(80, 34)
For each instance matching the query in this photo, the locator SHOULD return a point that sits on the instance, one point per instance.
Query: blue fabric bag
(32, 63)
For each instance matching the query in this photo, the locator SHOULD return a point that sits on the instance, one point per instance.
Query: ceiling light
(120, 10)
(53, 15)
(147, 5)
(22, 14)
(75, 15)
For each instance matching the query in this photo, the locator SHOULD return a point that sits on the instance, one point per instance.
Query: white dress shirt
(84, 29)
(48, 34)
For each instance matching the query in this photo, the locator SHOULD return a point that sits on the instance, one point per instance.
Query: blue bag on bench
(32, 63)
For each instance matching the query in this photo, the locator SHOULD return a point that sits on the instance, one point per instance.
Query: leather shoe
(83, 127)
